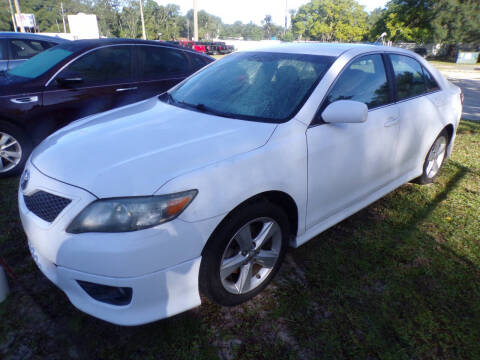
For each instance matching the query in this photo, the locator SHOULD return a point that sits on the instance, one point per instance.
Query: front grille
(45, 205)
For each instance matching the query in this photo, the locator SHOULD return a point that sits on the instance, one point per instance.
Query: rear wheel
(434, 160)
(244, 253)
(15, 147)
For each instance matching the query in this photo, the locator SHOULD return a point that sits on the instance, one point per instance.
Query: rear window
(158, 62)
(198, 61)
(430, 81)
(408, 77)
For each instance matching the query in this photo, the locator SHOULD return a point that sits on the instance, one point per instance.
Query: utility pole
(286, 12)
(63, 18)
(188, 29)
(19, 12)
(13, 16)
(195, 21)
(144, 35)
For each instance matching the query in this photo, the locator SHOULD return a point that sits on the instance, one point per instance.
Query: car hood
(134, 150)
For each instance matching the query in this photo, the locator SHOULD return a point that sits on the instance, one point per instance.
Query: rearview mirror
(345, 111)
(69, 80)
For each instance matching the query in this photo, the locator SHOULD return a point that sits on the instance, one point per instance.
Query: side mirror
(67, 81)
(345, 111)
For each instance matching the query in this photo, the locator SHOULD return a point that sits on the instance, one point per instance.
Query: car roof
(114, 41)
(326, 49)
(30, 36)
(80, 45)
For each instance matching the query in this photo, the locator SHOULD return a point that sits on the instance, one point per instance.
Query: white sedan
(134, 212)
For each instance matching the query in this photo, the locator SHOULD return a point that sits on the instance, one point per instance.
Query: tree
(108, 17)
(446, 21)
(330, 20)
(267, 21)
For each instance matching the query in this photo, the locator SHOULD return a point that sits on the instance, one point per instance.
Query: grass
(398, 280)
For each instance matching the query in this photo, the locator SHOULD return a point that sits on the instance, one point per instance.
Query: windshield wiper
(208, 110)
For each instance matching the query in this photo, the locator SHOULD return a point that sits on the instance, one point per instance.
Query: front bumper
(160, 265)
(155, 296)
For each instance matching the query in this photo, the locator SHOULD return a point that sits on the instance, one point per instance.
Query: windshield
(41, 63)
(253, 85)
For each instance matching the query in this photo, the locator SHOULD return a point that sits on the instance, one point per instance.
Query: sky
(252, 10)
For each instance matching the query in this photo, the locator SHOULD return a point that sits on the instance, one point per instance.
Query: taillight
(462, 97)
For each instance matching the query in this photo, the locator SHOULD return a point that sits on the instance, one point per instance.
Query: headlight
(130, 214)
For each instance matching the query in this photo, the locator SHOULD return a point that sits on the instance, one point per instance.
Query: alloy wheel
(436, 157)
(10, 152)
(251, 255)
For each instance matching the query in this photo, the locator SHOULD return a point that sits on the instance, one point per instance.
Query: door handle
(392, 121)
(126, 89)
(24, 100)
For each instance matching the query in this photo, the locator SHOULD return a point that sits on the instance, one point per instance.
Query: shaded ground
(398, 280)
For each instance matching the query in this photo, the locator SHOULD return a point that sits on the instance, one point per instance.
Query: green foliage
(329, 20)
(445, 21)
(121, 18)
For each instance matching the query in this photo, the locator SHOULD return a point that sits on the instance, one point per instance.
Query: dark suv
(79, 78)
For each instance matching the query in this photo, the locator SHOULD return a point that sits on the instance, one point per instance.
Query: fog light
(119, 296)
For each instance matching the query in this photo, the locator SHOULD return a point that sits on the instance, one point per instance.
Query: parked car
(223, 48)
(80, 78)
(135, 211)
(199, 47)
(15, 48)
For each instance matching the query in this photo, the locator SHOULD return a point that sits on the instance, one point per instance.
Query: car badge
(25, 179)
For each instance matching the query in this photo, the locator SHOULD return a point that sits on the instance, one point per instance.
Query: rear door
(419, 112)
(107, 81)
(160, 68)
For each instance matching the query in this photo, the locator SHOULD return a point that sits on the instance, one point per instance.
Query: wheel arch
(279, 198)
(450, 130)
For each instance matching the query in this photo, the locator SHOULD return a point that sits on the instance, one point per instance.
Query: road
(467, 77)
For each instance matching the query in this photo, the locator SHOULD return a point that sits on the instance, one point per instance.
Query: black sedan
(79, 78)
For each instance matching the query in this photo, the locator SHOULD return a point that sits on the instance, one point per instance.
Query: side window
(109, 65)
(25, 49)
(430, 81)
(364, 80)
(3, 50)
(197, 61)
(408, 76)
(158, 62)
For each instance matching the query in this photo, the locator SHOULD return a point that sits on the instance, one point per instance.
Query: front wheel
(434, 160)
(244, 253)
(15, 147)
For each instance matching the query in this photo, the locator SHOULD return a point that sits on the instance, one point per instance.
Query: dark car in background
(15, 48)
(80, 78)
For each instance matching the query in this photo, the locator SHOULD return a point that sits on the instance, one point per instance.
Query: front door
(105, 81)
(348, 162)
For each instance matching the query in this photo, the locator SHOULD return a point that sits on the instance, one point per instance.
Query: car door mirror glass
(345, 111)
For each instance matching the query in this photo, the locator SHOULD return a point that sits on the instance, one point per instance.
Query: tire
(13, 140)
(250, 268)
(434, 160)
